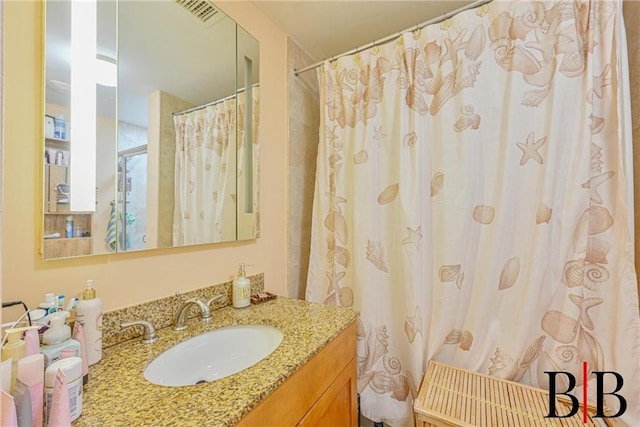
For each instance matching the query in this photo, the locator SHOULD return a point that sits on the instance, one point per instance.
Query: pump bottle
(89, 314)
(241, 289)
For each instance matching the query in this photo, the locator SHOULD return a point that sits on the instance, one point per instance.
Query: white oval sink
(213, 355)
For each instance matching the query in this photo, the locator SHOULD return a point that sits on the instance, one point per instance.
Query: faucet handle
(217, 298)
(149, 336)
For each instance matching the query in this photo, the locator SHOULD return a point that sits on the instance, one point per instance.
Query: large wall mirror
(151, 127)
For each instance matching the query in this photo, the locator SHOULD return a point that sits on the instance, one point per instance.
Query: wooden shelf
(62, 144)
(66, 247)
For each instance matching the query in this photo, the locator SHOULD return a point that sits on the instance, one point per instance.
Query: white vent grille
(204, 10)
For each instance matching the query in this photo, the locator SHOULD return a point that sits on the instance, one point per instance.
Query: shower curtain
(205, 205)
(473, 201)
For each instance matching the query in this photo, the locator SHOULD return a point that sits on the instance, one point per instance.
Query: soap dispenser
(57, 341)
(241, 289)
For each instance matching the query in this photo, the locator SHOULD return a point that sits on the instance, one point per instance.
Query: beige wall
(304, 120)
(631, 11)
(125, 279)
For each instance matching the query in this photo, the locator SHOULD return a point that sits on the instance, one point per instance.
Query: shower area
(132, 187)
(465, 221)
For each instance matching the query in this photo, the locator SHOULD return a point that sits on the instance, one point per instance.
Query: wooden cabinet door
(337, 407)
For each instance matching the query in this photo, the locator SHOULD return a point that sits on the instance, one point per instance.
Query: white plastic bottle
(241, 289)
(71, 367)
(89, 314)
(57, 338)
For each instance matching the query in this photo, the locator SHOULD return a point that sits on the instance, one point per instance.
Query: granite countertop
(118, 393)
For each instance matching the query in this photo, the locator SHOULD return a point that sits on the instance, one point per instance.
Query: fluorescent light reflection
(83, 105)
(106, 72)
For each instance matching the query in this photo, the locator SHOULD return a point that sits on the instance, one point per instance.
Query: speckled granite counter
(118, 394)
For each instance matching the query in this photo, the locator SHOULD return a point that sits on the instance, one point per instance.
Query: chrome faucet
(149, 336)
(181, 318)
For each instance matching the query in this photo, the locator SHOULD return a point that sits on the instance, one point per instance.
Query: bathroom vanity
(310, 379)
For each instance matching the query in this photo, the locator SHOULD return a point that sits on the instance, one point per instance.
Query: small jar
(71, 367)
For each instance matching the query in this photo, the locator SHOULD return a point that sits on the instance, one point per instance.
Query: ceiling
(328, 28)
(158, 46)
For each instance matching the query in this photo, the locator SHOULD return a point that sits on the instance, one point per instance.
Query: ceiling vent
(204, 10)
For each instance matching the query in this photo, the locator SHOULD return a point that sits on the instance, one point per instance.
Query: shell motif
(585, 304)
(388, 195)
(567, 353)
(600, 220)
(331, 299)
(336, 223)
(436, 183)
(413, 325)
(341, 256)
(509, 273)
(448, 273)
(410, 330)
(593, 220)
(561, 327)
(573, 274)
(597, 250)
(543, 214)
(334, 159)
(595, 274)
(596, 159)
(400, 388)
(502, 366)
(483, 214)
(475, 44)
(532, 353)
(345, 295)
(375, 254)
(533, 98)
(460, 280)
(360, 157)
(466, 339)
(453, 337)
(464, 123)
(391, 364)
(377, 347)
(410, 139)
(596, 124)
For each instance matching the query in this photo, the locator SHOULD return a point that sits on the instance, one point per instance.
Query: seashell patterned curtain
(473, 201)
(204, 181)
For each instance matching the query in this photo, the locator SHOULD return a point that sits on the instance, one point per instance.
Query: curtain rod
(387, 39)
(200, 107)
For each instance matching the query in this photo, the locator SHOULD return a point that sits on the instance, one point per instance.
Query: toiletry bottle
(14, 349)
(57, 338)
(89, 315)
(31, 373)
(69, 226)
(59, 127)
(71, 367)
(49, 303)
(241, 289)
